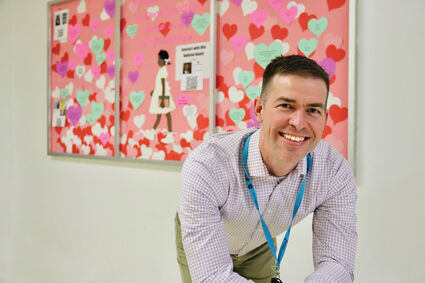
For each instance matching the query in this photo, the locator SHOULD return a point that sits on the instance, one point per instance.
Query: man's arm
(203, 233)
(334, 230)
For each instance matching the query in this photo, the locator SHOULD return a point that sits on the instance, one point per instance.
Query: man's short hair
(292, 65)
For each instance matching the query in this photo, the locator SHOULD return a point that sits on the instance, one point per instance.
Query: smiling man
(240, 190)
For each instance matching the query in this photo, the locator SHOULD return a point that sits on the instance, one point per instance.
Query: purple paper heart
(237, 2)
(62, 68)
(110, 70)
(74, 114)
(133, 76)
(187, 18)
(255, 122)
(110, 8)
(328, 64)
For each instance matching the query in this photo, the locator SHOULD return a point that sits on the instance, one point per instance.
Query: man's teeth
(292, 138)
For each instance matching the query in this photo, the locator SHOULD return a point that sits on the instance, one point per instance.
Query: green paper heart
(137, 98)
(64, 93)
(100, 58)
(253, 91)
(237, 115)
(318, 26)
(201, 23)
(307, 46)
(131, 30)
(83, 97)
(245, 78)
(97, 109)
(263, 54)
(96, 45)
(91, 118)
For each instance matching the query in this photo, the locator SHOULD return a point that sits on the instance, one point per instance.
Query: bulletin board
(111, 96)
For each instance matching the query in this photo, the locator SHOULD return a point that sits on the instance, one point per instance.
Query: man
(219, 233)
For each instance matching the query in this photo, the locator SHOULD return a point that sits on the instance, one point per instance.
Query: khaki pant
(255, 265)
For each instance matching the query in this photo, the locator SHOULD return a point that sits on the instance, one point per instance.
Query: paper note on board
(60, 30)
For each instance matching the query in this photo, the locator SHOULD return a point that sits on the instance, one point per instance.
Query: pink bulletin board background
(248, 30)
(147, 26)
(82, 74)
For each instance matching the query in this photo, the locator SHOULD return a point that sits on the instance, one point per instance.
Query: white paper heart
(139, 120)
(235, 95)
(236, 72)
(100, 83)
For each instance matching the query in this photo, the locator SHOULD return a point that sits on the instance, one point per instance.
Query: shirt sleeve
(203, 233)
(334, 230)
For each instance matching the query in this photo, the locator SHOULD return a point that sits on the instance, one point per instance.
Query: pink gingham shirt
(218, 217)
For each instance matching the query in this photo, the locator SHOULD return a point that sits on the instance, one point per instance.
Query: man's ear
(258, 109)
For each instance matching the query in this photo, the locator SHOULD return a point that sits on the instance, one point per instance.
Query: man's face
(292, 120)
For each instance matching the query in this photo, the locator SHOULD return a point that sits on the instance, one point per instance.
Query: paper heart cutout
(288, 14)
(96, 45)
(237, 115)
(202, 122)
(133, 76)
(263, 54)
(245, 78)
(328, 64)
(276, 4)
(318, 26)
(279, 33)
(255, 32)
(334, 4)
(307, 46)
(303, 20)
(201, 23)
(139, 58)
(100, 58)
(338, 114)
(164, 28)
(335, 53)
(229, 30)
(83, 97)
(86, 20)
(131, 30)
(62, 68)
(238, 42)
(235, 95)
(258, 17)
(74, 114)
(109, 7)
(186, 18)
(108, 30)
(253, 91)
(249, 6)
(73, 32)
(94, 25)
(56, 49)
(137, 98)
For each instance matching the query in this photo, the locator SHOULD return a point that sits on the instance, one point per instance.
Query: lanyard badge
(266, 230)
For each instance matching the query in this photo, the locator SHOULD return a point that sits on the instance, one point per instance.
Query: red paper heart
(124, 116)
(278, 32)
(303, 20)
(54, 67)
(75, 149)
(229, 30)
(199, 135)
(58, 130)
(112, 119)
(130, 133)
(73, 20)
(103, 67)
(184, 143)
(144, 141)
(86, 20)
(258, 70)
(102, 121)
(164, 28)
(326, 131)
(172, 155)
(338, 114)
(202, 122)
(123, 149)
(335, 53)
(255, 32)
(160, 136)
(87, 60)
(333, 4)
(219, 122)
(202, 1)
(61, 144)
(221, 86)
(106, 44)
(123, 22)
(70, 74)
(92, 96)
(56, 49)
(64, 57)
(243, 103)
(332, 80)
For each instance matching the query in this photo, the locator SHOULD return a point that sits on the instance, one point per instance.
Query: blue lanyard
(254, 199)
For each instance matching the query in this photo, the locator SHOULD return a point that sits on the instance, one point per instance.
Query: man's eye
(313, 111)
(285, 105)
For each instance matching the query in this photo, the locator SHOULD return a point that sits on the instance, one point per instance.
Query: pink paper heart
(138, 58)
(72, 64)
(94, 25)
(226, 56)
(288, 14)
(110, 8)
(108, 30)
(104, 138)
(74, 32)
(95, 70)
(82, 49)
(238, 42)
(62, 68)
(258, 17)
(110, 54)
(276, 4)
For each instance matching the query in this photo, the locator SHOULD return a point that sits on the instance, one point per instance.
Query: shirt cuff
(329, 272)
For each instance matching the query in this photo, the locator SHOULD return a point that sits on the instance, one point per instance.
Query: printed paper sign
(192, 59)
(59, 113)
(60, 31)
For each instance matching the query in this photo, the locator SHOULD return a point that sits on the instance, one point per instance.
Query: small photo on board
(187, 68)
(57, 20)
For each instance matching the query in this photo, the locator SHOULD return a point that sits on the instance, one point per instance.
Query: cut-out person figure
(161, 102)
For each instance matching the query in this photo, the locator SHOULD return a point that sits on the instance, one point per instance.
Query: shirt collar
(256, 166)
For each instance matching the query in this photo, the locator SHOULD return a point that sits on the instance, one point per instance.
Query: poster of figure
(164, 97)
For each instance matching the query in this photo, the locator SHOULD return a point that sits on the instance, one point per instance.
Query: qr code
(60, 32)
(192, 83)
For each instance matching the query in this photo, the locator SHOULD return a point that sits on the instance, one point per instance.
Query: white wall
(75, 220)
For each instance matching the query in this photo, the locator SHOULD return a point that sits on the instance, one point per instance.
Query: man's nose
(298, 119)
